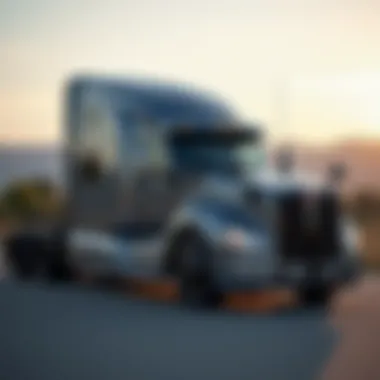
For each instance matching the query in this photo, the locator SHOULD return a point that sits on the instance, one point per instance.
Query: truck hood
(274, 181)
(268, 181)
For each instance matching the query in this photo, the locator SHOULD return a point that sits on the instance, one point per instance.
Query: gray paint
(136, 112)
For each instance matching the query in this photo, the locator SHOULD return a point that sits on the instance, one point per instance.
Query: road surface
(70, 332)
(74, 332)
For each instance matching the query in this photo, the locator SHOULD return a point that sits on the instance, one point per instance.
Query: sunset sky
(307, 69)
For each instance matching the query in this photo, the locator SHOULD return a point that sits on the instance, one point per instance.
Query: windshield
(219, 154)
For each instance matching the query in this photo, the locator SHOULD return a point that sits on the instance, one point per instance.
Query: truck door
(96, 180)
(150, 181)
(159, 189)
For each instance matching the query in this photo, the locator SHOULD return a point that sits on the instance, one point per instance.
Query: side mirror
(337, 173)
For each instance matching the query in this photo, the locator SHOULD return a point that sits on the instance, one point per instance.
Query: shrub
(30, 198)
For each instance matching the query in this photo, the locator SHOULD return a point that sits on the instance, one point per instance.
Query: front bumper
(291, 276)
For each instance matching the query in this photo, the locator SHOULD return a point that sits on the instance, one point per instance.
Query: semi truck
(166, 180)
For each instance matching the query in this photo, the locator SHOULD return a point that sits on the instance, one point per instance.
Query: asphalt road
(68, 332)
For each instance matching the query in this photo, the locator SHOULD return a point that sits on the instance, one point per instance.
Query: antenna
(285, 159)
(284, 162)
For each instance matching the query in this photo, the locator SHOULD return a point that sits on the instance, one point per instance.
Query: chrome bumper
(334, 273)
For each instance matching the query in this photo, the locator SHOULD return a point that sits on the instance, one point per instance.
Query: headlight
(237, 239)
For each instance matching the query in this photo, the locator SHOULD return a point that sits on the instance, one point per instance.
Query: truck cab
(166, 180)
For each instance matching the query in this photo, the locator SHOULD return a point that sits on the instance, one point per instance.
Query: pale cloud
(341, 105)
(252, 51)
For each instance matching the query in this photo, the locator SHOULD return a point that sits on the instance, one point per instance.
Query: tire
(26, 257)
(315, 296)
(197, 288)
(33, 257)
(59, 269)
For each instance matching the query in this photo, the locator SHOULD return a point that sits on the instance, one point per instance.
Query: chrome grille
(307, 226)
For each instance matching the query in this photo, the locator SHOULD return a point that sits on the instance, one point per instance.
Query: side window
(152, 139)
(110, 139)
(142, 143)
(130, 145)
(97, 141)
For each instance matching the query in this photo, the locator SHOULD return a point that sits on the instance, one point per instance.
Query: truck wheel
(59, 269)
(315, 296)
(26, 257)
(197, 288)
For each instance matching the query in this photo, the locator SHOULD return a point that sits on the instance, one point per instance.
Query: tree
(30, 198)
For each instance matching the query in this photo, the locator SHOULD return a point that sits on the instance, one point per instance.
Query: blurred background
(307, 70)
